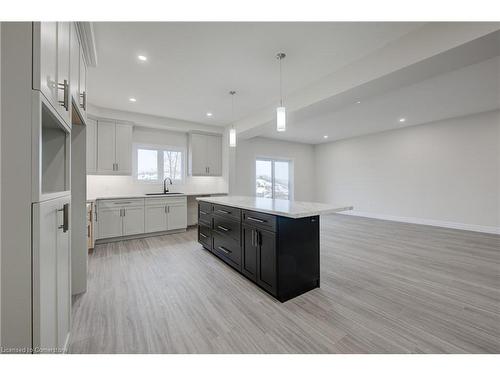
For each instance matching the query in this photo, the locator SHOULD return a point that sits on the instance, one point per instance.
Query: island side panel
(298, 256)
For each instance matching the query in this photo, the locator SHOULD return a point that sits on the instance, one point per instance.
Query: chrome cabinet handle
(65, 211)
(203, 235)
(123, 202)
(65, 87)
(255, 219)
(203, 212)
(224, 211)
(83, 95)
(224, 249)
(223, 228)
(253, 237)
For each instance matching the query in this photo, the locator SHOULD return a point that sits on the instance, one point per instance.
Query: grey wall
(443, 173)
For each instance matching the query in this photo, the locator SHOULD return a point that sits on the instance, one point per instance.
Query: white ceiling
(192, 66)
(471, 89)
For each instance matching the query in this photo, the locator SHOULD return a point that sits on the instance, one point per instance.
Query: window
(155, 163)
(272, 178)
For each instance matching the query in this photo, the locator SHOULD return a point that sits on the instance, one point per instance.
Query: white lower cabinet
(177, 216)
(51, 275)
(133, 220)
(110, 222)
(120, 217)
(165, 214)
(128, 217)
(156, 218)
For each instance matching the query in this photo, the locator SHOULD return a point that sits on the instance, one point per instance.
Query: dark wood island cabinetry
(278, 253)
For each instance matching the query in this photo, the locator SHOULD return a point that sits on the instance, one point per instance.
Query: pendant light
(280, 111)
(232, 131)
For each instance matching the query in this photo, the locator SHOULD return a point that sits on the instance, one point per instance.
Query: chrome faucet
(165, 190)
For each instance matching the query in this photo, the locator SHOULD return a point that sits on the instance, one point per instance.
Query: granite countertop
(130, 196)
(280, 207)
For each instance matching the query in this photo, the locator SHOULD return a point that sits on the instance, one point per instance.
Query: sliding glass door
(272, 178)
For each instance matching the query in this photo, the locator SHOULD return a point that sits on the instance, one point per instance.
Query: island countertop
(279, 207)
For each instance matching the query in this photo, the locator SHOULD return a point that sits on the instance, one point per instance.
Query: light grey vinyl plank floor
(386, 287)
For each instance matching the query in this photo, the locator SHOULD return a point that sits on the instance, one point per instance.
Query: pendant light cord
(232, 108)
(281, 86)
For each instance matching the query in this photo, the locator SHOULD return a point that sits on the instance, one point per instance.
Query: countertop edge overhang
(278, 207)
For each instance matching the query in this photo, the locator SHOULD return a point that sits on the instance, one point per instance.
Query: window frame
(159, 162)
(274, 159)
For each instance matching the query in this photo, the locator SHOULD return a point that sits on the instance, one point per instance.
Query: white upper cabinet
(205, 154)
(123, 152)
(78, 76)
(91, 131)
(75, 67)
(83, 86)
(114, 147)
(51, 64)
(63, 69)
(105, 146)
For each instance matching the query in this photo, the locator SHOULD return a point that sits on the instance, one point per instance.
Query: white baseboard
(434, 223)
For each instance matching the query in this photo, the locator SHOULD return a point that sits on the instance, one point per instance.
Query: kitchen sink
(163, 193)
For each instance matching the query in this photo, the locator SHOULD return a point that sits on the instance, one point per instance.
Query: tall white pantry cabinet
(41, 82)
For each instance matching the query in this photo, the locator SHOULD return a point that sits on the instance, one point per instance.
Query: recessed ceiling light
(209, 114)
(142, 57)
(358, 102)
(325, 136)
(402, 119)
(133, 100)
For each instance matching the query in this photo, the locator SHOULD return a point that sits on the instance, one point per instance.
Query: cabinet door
(214, 155)
(156, 218)
(249, 256)
(63, 281)
(63, 79)
(198, 153)
(82, 85)
(105, 146)
(133, 220)
(48, 61)
(91, 131)
(45, 227)
(123, 146)
(74, 67)
(177, 216)
(109, 221)
(51, 275)
(266, 261)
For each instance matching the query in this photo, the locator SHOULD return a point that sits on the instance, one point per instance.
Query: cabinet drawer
(205, 236)
(163, 201)
(225, 211)
(205, 215)
(227, 249)
(227, 227)
(260, 220)
(121, 203)
(205, 207)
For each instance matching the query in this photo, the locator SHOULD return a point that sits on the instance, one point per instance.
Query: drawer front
(205, 236)
(225, 211)
(227, 249)
(227, 227)
(205, 207)
(121, 203)
(163, 201)
(205, 213)
(259, 220)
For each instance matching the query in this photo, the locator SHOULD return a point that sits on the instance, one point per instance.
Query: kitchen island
(273, 242)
